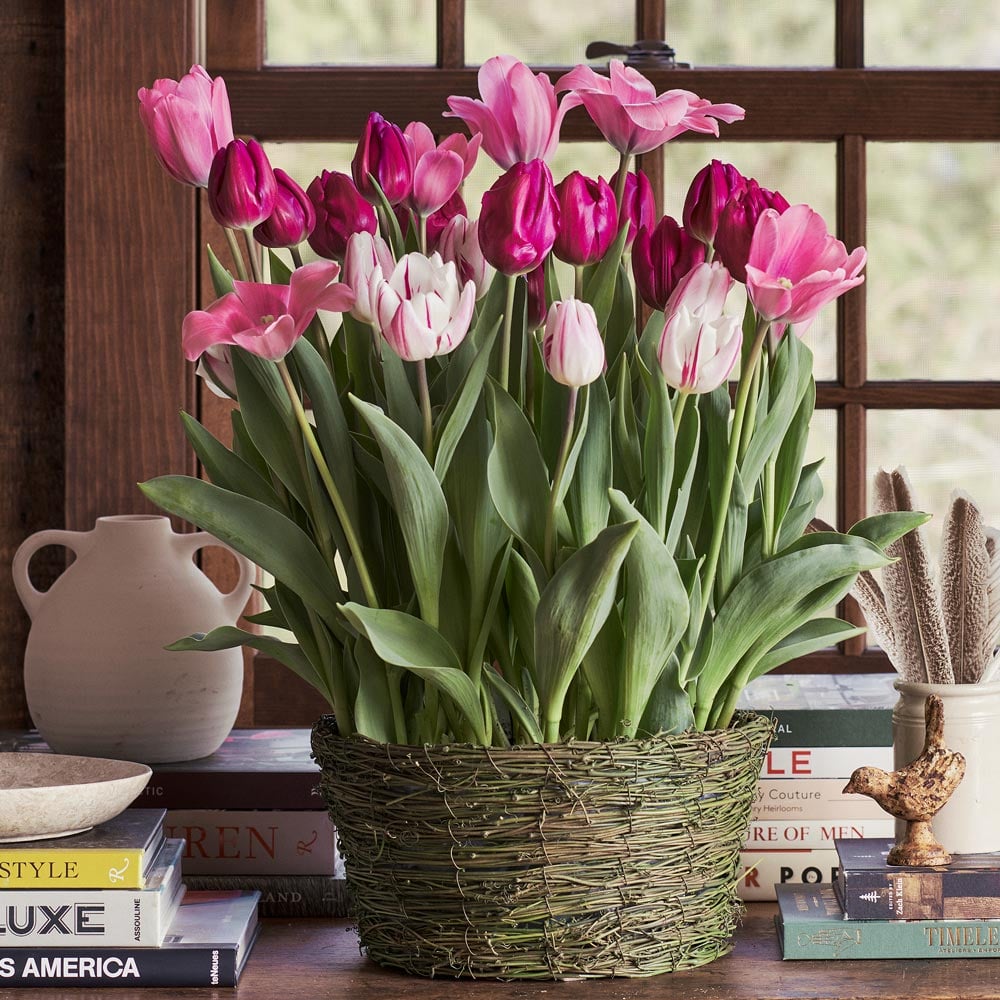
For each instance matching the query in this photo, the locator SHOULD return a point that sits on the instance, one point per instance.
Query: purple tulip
(241, 185)
(737, 223)
(537, 309)
(385, 154)
(661, 258)
(292, 219)
(711, 188)
(588, 219)
(638, 205)
(340, 212)
(519, 219)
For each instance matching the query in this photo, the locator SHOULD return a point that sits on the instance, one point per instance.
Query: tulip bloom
(188, 121)
(661, 258)
(711, 188)
(386, 155)
(796, 267)
(519, 219)
(215, 366)
(700, 344)
(437, 222)
(266, 320)
(241, 185)
(517, 116)
(629, 114)
(638, 206)
(438, 171)
(366, 254)
(737, 223)
(535, 281)
(292, 218)
(421, 308)
(571, 346)
(340, 212)
(588, 219)
(459, 243)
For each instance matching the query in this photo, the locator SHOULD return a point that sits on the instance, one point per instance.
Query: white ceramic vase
(969, 823)
(97, 677)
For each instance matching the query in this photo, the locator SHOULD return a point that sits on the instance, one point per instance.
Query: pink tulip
(188, 121)
(459, 243)
(535, 281)
(796, 267)
(700, 344)
(263, 319)
(588, 219)
(517, 116)
(737, 223)
(638, 205)
(519, 218)
(340, 212)
(661, 258)
(630, 115)
(292, 218)
(572, 345)
(438, 170)
(366, 254)
(421, 308)
(711, 188)
(241, 185)
(437, 222)
(384, 154)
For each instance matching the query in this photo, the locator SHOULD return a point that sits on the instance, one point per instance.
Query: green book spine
(831, 727)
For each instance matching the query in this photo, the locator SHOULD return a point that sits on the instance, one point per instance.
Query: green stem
(296, 256)
(769, 539)
(396, 700)
(751, 417)
(234, 249)
(422, 234)
(623, 164)
(425, 409)
(252, 255)
(529, 375)
(578, 281)
(508, 318)
(550, 515)
(331, 487)
(679, 411)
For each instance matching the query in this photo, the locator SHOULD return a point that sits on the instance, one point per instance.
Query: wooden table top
(319, 959)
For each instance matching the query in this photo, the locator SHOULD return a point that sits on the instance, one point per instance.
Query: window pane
(932, 33)
(338, 32)
(765, 33)
(550, 34)
(933, 245)
(823, 445)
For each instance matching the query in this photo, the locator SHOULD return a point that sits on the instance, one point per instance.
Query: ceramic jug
(97, 677)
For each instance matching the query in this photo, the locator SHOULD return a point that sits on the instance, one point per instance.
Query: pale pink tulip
(215, 366)
(796, 267)
(459, 243)
(572, 345)
(518, 116)
(630, 115)
(367, 261)
(266, 320)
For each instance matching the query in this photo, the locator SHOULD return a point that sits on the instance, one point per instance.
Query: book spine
(285, 897)
(272, 842)
(823, 762)
(66, 869)
(232, 790)
(911, 894)
(831, 727)
(117, 967)
(762, 869)
(770, 835)
(801, 799)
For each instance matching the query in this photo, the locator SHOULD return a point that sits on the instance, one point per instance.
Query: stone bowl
(45, 795)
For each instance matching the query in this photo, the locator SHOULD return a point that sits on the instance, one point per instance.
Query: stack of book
(826, 726)
(874, 910)
(108, 907)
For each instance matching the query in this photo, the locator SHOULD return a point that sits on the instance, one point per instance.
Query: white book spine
(823, 762)
(808, 799)
(781, 835)
(762, 869)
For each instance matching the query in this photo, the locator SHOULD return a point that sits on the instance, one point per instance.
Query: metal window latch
(645, 54)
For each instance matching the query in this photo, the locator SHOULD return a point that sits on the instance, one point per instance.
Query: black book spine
(913, 894)
(232, 790)
(285, 896)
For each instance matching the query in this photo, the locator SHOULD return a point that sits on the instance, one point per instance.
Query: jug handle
(31, 597)
(236, 600)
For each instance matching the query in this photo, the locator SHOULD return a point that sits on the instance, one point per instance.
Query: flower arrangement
(496, 510)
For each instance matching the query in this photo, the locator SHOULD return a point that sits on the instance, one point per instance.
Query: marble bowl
(46, 795)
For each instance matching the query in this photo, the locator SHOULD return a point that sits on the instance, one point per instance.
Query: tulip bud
(536, 297)
(292, 219)
(737, 223)
(241, 185)
(519, 218)
(437, 222)
(588, 219)
(340, 212)
(459, 243)
(384, 153)
(711, 188)
(572, 345)
(366, 254)
(661, 258)
(638, 205)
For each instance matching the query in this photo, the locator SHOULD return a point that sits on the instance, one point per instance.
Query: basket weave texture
(544, 862)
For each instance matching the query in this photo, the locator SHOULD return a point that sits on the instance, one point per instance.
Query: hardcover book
(95, 918)
(763, 870)
(206, 945)
(870, 888)
(784, 835)
(823, 762)
(113, 855)
(801, 799)
(285, 896)
(811, 925)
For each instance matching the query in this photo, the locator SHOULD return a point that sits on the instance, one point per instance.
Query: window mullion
(849, 34)
(451, 34)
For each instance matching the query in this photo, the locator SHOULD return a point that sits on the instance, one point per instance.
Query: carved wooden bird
(915, 793)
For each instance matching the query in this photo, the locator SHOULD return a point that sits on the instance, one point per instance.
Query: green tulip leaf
(599, 289)
(658, 455)
(222, 280)
(518, 706)
(884, 529)
(588, 492)
(820, 633)
(603, 669)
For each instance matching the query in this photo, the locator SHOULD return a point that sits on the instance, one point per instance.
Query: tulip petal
(437, 176)
(203, 328)
(628, 84)
(272, 342)
(307, 285)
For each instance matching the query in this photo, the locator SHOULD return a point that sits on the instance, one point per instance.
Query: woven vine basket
(544, 862)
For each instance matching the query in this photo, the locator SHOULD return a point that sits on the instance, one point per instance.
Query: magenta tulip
(292, 218)
(437, 223)
(588, 219)
(572, 345)
(459, 244)
(638, 205)
(367, 261)
(537, 309)
(518, 115)
(241, 185)
(737, 223)
(340, 212)
(519, 219)
(188, 121)
(385, 155)
(661, 258)
(629, 114)
(711, 188)
(266, 320)
(796, 267)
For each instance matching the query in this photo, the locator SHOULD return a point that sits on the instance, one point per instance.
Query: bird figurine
(917, 792)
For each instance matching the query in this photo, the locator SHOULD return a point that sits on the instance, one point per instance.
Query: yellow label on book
(91, 869)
